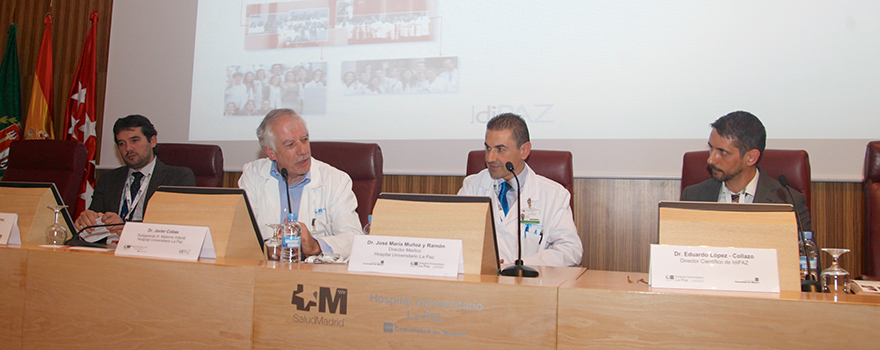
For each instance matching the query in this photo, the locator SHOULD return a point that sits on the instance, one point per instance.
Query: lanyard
(129, 202)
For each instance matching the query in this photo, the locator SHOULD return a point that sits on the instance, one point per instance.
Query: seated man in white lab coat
(319, 193)
(549, 235)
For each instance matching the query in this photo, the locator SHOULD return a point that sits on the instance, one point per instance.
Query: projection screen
(626, 86)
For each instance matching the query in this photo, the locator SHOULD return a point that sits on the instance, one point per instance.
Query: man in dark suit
(122, 194)
(735, 146)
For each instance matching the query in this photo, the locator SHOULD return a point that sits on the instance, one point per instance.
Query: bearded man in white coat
(319, 193)
(549, 236)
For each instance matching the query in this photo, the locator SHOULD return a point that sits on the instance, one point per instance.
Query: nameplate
(713, 268)
(9, 233)
(406, 255)
(177, 242)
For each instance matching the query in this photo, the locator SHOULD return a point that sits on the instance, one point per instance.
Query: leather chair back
(872, 210)
(63, 163)
(206, 161)
(794, 164)
(362, 162)
(555, 165)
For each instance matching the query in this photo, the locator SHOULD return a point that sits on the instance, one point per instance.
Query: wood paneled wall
(617, 218)
(69, 29)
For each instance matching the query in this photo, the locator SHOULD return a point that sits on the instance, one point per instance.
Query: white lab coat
(553, 242)
(327, 207)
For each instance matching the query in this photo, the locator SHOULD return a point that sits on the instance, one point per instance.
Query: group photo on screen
(381, 28)
(254, 90)
(432, 75)
(293, 27)
(294, 24)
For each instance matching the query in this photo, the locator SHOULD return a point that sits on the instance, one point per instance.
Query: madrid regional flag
(79, 121)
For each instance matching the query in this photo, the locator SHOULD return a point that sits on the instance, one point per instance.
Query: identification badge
(531, 215)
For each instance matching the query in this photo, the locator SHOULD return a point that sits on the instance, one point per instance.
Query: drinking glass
(273, 245)
(56, 234)
(834, 278)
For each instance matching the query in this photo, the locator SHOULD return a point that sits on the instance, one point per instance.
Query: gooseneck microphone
(287, 186)
(518, 269)
(808, 284)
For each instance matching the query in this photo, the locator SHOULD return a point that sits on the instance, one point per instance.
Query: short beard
(723, 176)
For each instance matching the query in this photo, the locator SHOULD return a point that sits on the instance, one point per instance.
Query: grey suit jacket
(769, 191)
(108, 189)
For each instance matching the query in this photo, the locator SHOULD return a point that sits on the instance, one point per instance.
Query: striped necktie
(134, 189)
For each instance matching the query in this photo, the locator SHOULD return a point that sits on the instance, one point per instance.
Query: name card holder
(406, 255)
(30, 201)
(176, 242)
(9, 232)
(753, 225)
(224, 210)
(465, 218)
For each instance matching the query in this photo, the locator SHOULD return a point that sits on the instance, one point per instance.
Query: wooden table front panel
(635, 317)
(100, 301)
(13, 269)
(470, 312)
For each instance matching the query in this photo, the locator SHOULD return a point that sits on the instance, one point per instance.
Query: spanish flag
(40, 110)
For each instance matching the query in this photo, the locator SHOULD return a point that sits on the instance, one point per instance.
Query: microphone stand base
(79, 242)
(519, 271)
(811, 286)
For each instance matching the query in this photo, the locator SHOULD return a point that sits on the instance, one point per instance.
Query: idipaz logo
(336, 301)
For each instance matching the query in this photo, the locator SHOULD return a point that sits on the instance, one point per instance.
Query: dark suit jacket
(769, 191)
(108, 190)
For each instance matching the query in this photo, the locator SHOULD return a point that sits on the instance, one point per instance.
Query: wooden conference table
(59, 298)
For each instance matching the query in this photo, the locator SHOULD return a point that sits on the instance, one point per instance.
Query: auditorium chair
(794, 164)
(555, 165)
(206, 161)
(362, 162)
(63, 163)
(872, 210)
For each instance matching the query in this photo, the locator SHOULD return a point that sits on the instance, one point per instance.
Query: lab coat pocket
(320, 225)
(533, 235)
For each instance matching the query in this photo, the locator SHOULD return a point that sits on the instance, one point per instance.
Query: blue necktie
(502, 197)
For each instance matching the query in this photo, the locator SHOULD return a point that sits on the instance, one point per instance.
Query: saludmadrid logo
(328, 301)
(335, 302)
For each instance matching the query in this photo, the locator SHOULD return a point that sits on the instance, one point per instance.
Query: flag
(38, 124)
(10, 97)
(79, 116)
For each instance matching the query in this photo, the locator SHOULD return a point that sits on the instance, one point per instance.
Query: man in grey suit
(735, 146)
(122, 194)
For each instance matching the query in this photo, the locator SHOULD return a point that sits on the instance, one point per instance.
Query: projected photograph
(303, 26)
(385, 28)
(254, 90)
(430, 75)
(312, 23)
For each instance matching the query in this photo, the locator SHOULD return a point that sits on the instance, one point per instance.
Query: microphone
(518, 269)
(286, 185)
(808, 284)
(77, 241)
